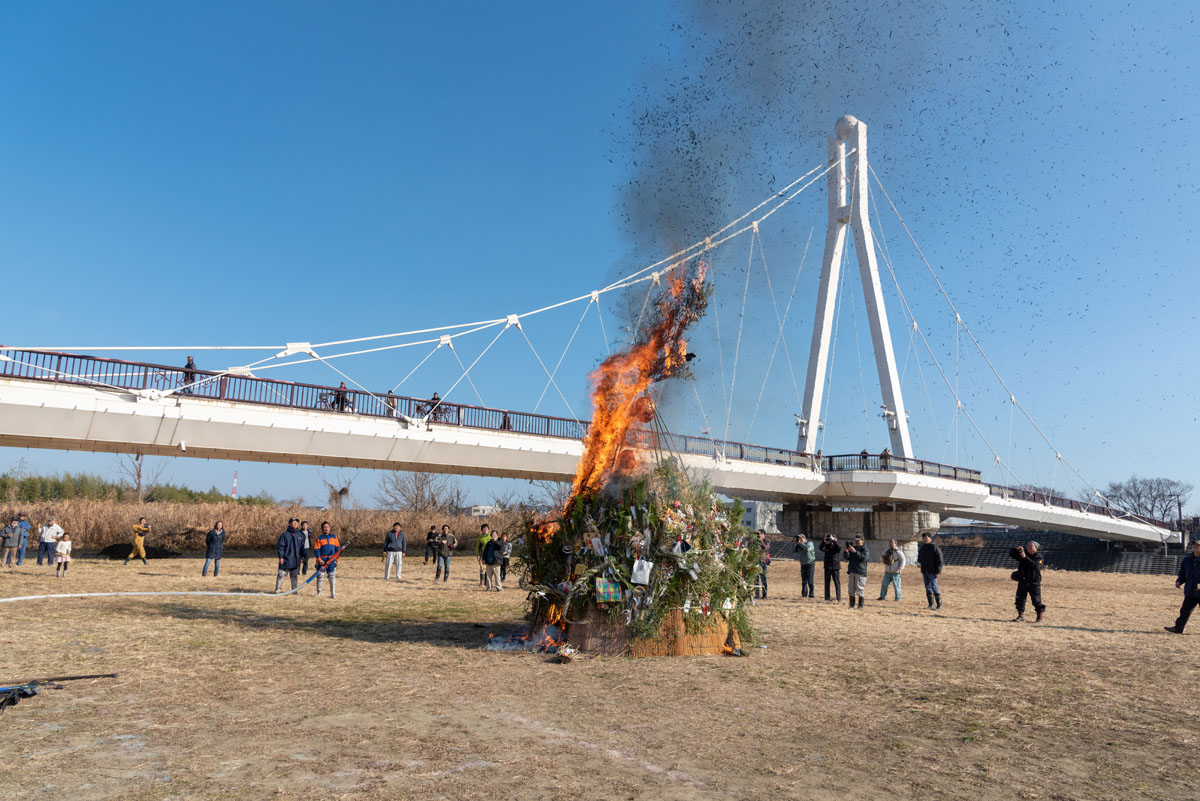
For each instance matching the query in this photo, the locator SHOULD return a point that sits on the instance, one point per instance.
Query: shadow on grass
(365, 629)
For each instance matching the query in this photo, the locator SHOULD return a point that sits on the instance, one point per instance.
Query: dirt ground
(386, 693)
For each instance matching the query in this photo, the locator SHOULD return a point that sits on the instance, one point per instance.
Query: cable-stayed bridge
(52, 398)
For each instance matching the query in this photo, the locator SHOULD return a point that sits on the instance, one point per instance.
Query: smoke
(753, 84)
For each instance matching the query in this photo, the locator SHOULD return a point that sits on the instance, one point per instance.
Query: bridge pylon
(852, 131)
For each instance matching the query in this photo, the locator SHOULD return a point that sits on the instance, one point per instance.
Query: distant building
(483, 510)
(762, 514)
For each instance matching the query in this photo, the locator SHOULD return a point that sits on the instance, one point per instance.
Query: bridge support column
(878, 525)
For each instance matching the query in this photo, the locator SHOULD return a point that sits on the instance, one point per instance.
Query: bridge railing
(89, 370)
(1050, 499)
(899, 464)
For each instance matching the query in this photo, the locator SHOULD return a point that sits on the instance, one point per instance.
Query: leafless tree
(339, 489)
(139, 475)
(551, 495)
(426, 493)
(1159, 498)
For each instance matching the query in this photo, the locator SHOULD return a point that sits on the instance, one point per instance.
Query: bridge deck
(67, 401)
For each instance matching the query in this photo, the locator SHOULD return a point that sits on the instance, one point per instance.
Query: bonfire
(642, 559)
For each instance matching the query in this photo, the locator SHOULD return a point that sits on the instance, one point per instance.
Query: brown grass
(385, 693)
(182, 526)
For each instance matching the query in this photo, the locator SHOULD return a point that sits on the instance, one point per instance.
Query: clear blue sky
(257, 173)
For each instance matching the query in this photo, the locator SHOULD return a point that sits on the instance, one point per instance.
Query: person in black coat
(1029, 579)
(288, 548)
(931, 560)
(833, 565)
(1189, 579)
(214, 544)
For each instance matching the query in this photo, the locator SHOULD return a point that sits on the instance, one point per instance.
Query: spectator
(390, 401)
(1028, 576)
(435, 408)
(214, 543)
(12, 540)
(328, 549)
(862, 459)
(48, 536)
(1189, 579)
(189, 376)
(929, 557)
(491, 564)
(857, 556)
(26, 527)
(394, 544)
(339, 398)
(446, 544)
(764, 559)
(62, 555)
(288, 548)
(140, 531)
(833, 566)
(485, 536)
(806, 552)
(893, 562)
(306, 544)
(431, 544)
(505, 556)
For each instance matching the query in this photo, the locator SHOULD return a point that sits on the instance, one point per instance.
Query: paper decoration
(641, 572)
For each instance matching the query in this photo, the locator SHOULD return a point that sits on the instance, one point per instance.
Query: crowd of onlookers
(298, 546)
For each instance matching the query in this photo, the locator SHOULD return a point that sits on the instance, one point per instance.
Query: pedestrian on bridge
(138, 549)
(189, 376)
(214, 544)
(1189, 579)
(833, 565)
(446, 544)
(806, 552)
(1028, 576)
(394, 544)
(893, 562)
(931, 560)
(857, 556)
(288, 549)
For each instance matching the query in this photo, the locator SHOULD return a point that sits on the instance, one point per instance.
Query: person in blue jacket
(1189, 579)
(214, 544)
(288, 547)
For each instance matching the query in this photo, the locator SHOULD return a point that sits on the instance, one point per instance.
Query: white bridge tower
(854, 132)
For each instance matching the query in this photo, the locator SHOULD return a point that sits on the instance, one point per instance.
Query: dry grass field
(386, 693)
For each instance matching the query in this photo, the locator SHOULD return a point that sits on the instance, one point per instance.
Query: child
(62, 556)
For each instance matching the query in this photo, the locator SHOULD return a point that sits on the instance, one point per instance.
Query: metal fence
(67, 368)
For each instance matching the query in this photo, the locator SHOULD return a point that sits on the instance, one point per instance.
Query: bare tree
(551, 495)
(339, 489)
(1159, 498)
(138, 474)
(421, 492)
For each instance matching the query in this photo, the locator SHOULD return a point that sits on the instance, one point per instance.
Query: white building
(483, 510)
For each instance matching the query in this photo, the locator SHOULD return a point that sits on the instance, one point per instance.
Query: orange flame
(622, 383)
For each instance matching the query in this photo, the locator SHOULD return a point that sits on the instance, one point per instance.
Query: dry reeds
(182, 526)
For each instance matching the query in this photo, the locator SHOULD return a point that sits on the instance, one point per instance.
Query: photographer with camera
(856, 570)
(833, 566)
(1028, 576)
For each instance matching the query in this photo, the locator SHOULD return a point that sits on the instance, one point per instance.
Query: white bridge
(256, 419)
(51, 399)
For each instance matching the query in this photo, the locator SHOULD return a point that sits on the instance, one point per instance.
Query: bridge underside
(69, 417)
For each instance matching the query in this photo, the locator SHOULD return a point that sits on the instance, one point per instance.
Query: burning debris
(641, 559)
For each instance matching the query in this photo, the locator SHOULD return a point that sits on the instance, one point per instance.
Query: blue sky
(257, 173)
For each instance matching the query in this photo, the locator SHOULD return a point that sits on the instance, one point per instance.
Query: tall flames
(622, 384)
